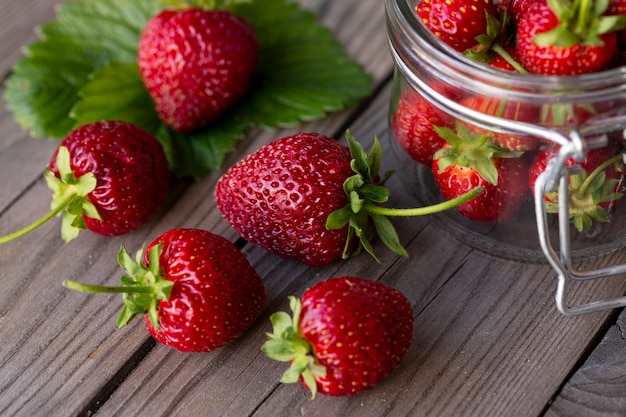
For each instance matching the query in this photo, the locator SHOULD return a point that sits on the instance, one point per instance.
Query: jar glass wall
(439, 92)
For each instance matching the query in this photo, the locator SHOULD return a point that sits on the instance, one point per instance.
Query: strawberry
(412, 125)
(456, 22)
(346, 335)
(195, 290)
(593, 189)
(305, 197)
(109, 177)
(471, 160)
(563, 37)
(196, 64)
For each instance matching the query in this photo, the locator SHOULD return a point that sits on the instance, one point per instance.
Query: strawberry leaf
(303, 74)
(116, 92)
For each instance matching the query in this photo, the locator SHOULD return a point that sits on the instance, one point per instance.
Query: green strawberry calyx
(469, 148)
(489, 44)
(580, 21)
(286, 344)
(586, 194)
(142, 289)
(363, 215)
(70, 197)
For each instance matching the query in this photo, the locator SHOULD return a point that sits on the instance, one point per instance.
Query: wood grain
(488, 340)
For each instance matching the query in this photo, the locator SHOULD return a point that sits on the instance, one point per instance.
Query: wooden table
(488, 338)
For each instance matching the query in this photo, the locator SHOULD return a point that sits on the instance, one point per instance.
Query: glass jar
(560, 124)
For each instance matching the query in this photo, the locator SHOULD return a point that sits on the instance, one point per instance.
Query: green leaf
(87, 35)
(83, 69)
(388, 234)
(116, 92)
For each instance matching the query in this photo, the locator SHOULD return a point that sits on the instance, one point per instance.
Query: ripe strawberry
(302, 197)
(109, 177)
(412, 125)
(280, 197)
(196, 64)
(346, 335)
(456, 22)
(197, 290)
(470, 160)
(569, 40)
(593, 191)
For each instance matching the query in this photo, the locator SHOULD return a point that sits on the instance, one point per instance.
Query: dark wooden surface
(488, 339)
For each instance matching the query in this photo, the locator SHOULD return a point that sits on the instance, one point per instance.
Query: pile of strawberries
(303, 197)
(543, 37)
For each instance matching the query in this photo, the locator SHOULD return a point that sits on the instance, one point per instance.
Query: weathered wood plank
(598, 388)
(17, 22)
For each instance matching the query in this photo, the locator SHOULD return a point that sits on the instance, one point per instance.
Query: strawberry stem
(591, 178)
(82, 287)
(70, 194)
(34, 225)
(140, 280)
(421, 211)
(365, 190)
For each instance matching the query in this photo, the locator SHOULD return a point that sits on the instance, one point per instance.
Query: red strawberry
(470, 160)
(575, 39)
(197, 290)
(305, 197)
(412, 126)
(593, 191)
(196, 64)
(456, 22)
(109, 177)
(280, 197)
(346, 335)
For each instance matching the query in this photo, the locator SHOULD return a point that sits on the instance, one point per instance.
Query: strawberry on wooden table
(305, 197)
(197, 61)
(109, 177)
(195, 289)
(345, 336)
